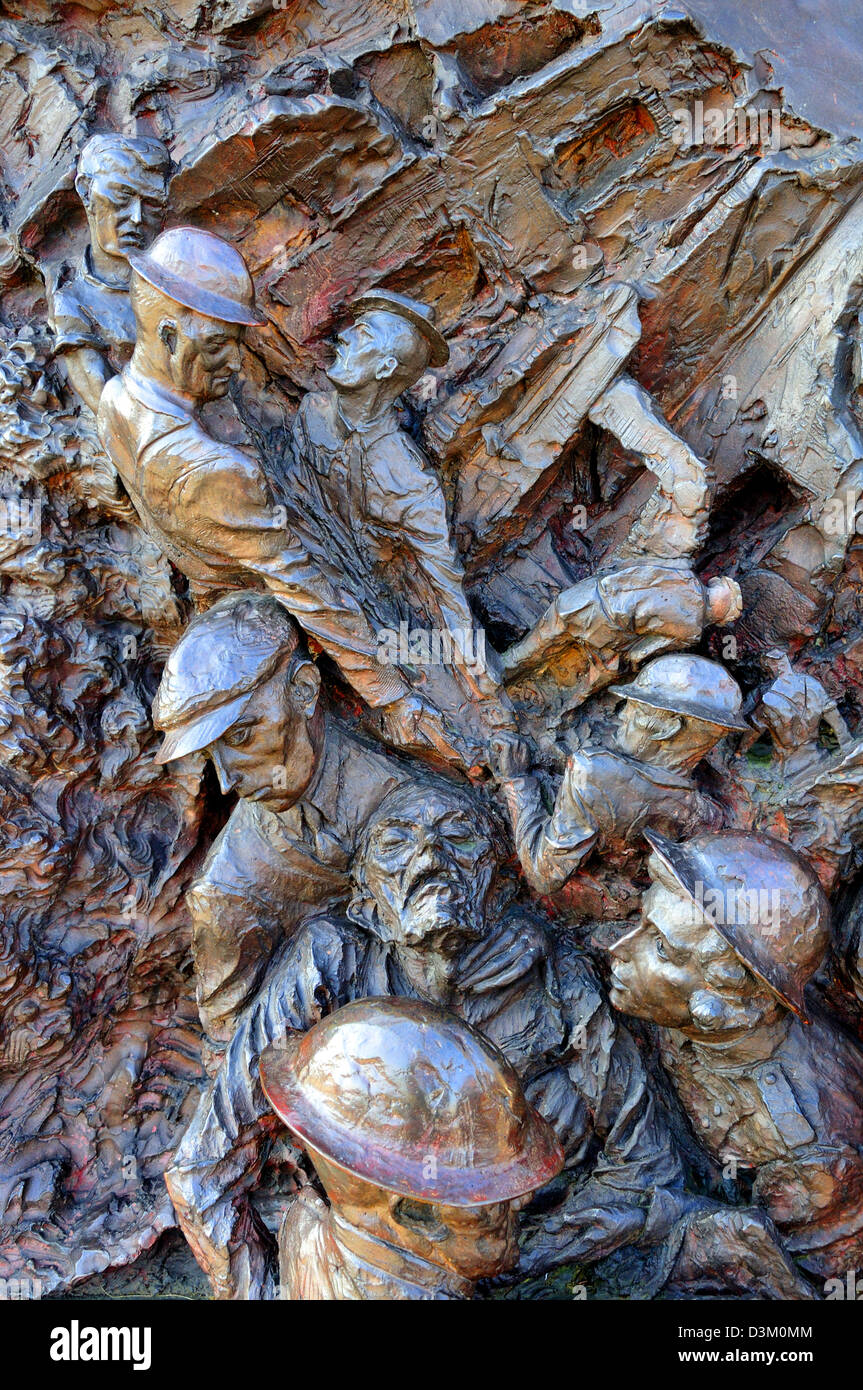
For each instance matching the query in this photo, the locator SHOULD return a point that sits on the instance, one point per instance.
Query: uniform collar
(369, 431)
(157, 397)
(660, 776)
(367, 1259)
(88, 273)
(744, 1053)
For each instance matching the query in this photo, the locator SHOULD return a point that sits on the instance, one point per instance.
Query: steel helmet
(409, 1097)
(689, 685)
(783, 931)
(223, 656)
(202, 271)
(422, 316)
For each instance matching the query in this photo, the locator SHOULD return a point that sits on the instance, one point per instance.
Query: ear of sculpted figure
(674, 712)
(209, 506)
(366, 494)
(121, 180)
(423, 1141)
(240, 688)
(433, 917)
(734, 926)
(647, 597)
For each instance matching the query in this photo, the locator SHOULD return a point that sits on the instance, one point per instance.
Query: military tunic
(579, 1067)
(268, 869)
(786, 1104)
(211, 509)
(321, 1258)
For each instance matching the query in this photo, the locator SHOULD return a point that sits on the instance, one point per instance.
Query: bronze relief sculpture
(430, 658)
(424, 1184)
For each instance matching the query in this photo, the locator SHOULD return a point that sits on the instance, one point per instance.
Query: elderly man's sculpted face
(428, 868)
(125, 205)
(204, 354)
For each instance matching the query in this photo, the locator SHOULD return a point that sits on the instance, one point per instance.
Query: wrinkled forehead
(446, 821)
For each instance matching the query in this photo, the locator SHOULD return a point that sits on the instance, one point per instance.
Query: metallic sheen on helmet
(201, 271)
(774, 913)
(409, 1097)
(223, 656)
(688, 685)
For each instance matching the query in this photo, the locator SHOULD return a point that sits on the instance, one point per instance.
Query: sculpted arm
(223, 1151)
(226, 497)
(550, 847)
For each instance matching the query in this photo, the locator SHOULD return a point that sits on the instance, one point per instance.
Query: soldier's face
(361, 353)
(270, 754)
(475, 1242)
(125, 207)
(373, 349)
(656, 969)
(205, 354)
(430, 875)
(635, 729)
(660, 735)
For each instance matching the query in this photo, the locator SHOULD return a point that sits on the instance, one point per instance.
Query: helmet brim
(687, 871)
(206, 302)
(438, 345)
(691, 708)
(199, 733)
(540, 1159)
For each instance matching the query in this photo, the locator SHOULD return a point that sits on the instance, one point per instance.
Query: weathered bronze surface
(431, 648)
(425, 1145)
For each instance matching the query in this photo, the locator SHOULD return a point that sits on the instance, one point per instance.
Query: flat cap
(221, 659)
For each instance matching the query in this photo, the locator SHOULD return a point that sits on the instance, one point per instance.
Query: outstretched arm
(672, 524)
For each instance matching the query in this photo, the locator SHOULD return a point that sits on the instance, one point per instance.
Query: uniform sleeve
(222, 1153)
(637, 1173)
(416, 507)
(655, 602)
(72, 327)
(230, 512)
(551, 847)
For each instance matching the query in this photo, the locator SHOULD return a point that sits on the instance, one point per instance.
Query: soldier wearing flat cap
(209, 506)
(365, 492)
(240, 687)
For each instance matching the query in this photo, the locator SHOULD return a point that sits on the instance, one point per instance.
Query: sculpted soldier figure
(675, 711)
(433, 918)
(121, 181)
(647, 598)
(733, 927)
(365, 493)
(240, 687)
(425, 1146)
(210, 506)
(791, 708)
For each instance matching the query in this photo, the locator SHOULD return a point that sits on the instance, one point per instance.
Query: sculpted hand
(499, 960)
(738, 1248)
(509, 757)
